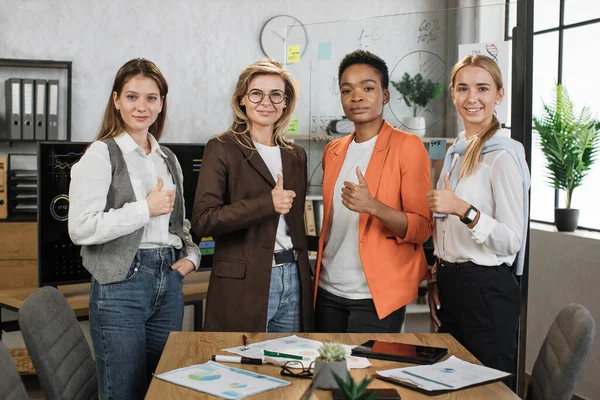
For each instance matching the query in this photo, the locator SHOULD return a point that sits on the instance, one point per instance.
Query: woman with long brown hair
(127, 212)
(250, 198)
(481, 207)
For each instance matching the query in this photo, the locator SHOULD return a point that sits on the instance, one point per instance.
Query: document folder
(40, 109)
(52, 110)
(3, 188)
(28, 123)
(13, 108)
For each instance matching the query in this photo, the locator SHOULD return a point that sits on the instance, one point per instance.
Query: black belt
(285, 256)
(466, 264)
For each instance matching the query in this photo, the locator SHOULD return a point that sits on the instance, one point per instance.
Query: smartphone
(380, 394)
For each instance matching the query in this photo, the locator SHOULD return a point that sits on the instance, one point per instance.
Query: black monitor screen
(59, 261)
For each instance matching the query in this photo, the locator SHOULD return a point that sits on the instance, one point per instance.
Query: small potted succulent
(332, 361)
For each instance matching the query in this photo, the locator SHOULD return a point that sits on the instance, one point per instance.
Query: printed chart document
(452, 374)
(222, 381)
(296, 346)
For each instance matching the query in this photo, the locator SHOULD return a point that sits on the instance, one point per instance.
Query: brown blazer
(233, 204)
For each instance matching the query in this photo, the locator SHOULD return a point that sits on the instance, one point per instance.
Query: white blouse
(496, 190)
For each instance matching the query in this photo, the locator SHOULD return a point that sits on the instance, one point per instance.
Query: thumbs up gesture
(358, 198)
(444, 201)
(160, 201)
(282, 199)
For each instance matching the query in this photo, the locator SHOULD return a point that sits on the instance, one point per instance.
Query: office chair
(11, 385)
(58, 349)
(561, 359)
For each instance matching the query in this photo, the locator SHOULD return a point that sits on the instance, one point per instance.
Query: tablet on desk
(402, 352)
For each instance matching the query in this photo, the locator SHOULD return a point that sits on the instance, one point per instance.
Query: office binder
(13, 108)
(52, 110)
(40, 109)
(27, 109)
(3, 188)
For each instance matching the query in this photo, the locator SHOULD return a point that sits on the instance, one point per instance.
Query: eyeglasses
(257, 95)
(297, 370)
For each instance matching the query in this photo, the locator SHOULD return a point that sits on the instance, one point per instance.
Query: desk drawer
(15, 274)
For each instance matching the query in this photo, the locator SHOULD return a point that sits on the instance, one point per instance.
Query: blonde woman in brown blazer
(250, 199)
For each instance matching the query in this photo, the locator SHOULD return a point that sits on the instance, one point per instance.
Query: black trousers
(480, 307)
(336, 314)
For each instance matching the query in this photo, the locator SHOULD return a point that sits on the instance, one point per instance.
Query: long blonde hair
(473, 151)
(241, 124)
(112, 123)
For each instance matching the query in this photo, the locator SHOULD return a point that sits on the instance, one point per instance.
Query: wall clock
(273, 36)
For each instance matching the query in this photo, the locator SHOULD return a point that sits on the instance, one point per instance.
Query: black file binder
(52, 110)
(27, 109)
(40, 109)
(13, 108)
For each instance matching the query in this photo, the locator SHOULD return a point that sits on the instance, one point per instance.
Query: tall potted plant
(417, 92)
(570, 142)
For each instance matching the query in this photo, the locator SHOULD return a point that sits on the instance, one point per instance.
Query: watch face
(471, 215)
(275, 32)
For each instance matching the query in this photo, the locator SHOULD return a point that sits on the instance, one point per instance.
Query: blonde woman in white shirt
(480, 206)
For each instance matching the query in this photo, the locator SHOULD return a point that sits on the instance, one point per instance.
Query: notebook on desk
(401, 352)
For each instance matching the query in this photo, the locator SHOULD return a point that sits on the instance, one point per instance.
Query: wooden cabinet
(18, 255)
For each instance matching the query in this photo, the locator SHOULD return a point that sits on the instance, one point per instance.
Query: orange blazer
(398, 175)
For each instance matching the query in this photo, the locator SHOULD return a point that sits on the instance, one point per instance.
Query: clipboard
(400, 352)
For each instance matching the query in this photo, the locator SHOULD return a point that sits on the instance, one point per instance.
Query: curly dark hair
(365, 57)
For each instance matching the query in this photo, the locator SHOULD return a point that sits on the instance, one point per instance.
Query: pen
(282, 355)
(239, 360)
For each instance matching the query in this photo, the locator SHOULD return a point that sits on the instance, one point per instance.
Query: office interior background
(201, 46)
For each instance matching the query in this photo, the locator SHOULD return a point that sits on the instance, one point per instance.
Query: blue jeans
(130, 322)
(283, 314)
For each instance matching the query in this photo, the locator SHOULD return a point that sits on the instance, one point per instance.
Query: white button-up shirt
(90, 180)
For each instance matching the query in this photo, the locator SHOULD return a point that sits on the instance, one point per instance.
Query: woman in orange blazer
(376, 215)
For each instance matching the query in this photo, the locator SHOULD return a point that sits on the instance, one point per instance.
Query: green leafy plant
(350, 390)
(332, 352)
(417, 92)
(569, 140)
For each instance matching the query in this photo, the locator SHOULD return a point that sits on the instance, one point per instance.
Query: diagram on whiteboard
(423, 67)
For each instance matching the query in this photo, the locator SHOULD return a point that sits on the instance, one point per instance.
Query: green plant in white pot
(570, 142)
(417, 92)
(331, 362)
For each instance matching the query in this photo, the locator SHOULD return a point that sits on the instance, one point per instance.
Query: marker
(239, 360)
(282, 355)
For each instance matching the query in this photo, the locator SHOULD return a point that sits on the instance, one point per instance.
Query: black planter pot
(566, 219)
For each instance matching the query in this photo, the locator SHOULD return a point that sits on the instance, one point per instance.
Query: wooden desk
(188, 348)
(195, 287)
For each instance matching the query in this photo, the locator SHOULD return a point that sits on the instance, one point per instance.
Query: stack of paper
(452, 374)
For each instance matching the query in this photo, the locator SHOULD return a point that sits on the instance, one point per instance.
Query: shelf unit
(38, 69)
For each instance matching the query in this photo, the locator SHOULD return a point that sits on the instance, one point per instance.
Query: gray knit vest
(109, 262)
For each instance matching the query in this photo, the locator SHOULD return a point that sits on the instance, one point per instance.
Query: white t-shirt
(342, 272)
(271, 155)
(496, 190)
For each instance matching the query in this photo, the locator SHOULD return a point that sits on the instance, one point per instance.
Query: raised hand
(282, 199)
(444, 201)
(160, 201)
(358, 198)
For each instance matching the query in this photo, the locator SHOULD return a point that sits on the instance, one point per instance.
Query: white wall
(564, 268)
(200, 46)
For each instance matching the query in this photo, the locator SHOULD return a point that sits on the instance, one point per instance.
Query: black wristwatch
(470, 215)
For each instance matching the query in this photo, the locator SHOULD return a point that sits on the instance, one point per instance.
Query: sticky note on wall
(293, 53)
(324, 52)
(293, 128)
(437, 149)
